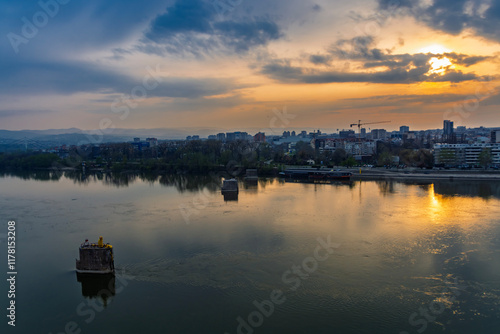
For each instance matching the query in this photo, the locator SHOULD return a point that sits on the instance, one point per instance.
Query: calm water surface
(407, 258)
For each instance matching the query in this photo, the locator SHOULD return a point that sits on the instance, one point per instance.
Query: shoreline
(426, 175)
(366, 174)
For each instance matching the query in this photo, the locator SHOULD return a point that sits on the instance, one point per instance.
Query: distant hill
(43, 139)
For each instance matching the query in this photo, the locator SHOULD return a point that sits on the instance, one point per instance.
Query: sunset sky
(245, 65)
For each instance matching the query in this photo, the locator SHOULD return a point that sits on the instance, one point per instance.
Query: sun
(434, 49)
(440, 64)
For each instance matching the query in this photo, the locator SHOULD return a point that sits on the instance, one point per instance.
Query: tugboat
(95, 258)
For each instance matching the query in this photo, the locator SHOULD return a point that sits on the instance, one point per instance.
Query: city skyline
(245, 65)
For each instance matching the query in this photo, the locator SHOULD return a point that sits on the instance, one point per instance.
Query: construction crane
(359, 124)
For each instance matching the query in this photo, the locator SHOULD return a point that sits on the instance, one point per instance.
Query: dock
(316, 174)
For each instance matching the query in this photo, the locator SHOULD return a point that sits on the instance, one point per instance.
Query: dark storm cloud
(320, 59)
(465, 60)
(356, 48)
(193, 26)
(400, 61)
(185, 16)
(244, 35)
(286, 73)
(453, 16)
(289, 74)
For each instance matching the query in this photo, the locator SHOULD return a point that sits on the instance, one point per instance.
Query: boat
(339, 175)
(95, 258)
(316, 174)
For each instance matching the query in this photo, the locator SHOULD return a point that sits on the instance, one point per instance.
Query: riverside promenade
(424, 174)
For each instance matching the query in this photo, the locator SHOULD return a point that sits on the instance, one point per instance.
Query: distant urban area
(449, 147)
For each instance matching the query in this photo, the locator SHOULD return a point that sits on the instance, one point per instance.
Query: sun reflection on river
(435, 205)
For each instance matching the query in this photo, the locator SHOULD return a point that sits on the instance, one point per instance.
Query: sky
(247, 65)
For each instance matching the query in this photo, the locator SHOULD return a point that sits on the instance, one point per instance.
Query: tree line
(207, 155)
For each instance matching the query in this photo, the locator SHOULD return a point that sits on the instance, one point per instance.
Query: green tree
(405, 156)
(485, 158)
(385, 158)
(339, 155)
(304, 151)
(349, 162)
(422, 158)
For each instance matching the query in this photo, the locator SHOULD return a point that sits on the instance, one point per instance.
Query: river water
(284, 257)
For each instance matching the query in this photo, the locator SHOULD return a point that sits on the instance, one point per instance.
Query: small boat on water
(95, 258)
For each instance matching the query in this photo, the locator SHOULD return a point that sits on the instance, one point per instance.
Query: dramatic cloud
(193, 26)
(356, 48)
(465, 60)
(187, 16)
(452, 16)
(74, 26)
(289, 74)
(218, 57)
(320, 59)
(375, 66)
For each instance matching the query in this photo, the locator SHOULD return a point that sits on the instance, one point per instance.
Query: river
(282, 257)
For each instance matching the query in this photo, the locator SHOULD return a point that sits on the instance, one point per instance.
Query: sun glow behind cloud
(439, 65)
(223, 71)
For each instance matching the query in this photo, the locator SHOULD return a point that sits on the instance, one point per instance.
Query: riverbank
(424, 175)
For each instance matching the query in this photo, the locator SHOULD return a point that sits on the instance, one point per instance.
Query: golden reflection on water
(398, 241)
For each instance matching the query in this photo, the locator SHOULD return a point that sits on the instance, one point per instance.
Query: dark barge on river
(316, 174)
